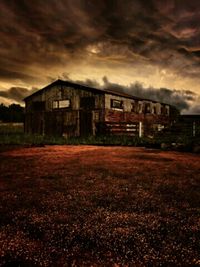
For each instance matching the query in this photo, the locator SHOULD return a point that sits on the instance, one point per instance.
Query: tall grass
(26, 139)
(11, 128)
(13, 134)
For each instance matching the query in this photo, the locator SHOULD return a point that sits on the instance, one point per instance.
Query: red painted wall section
(120, 116)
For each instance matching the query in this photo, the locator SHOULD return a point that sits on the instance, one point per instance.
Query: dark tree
(13, 113)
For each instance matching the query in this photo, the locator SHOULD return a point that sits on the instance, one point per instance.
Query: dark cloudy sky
(153, 42)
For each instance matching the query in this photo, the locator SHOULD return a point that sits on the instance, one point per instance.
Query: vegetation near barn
(12, 113)
(13, 134)
(99, 206)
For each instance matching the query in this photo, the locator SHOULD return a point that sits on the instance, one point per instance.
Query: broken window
(116, 104)
(61, 103)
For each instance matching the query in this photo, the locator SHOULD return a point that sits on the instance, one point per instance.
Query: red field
(99, 206)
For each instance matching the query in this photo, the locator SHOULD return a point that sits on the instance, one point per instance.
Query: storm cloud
(17, 94)
(184, 100)
(156, 42)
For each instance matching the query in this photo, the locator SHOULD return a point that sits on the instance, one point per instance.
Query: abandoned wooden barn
(69, 109)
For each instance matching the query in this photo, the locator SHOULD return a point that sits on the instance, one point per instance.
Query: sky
(149, 48)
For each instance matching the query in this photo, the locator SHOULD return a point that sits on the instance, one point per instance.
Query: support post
(193, 129)
(140, 129)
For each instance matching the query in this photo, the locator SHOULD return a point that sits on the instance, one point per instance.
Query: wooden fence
(122, 128)
(188, 129)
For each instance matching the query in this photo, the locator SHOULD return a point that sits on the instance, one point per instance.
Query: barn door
(37, 123)
(85, 123)
(59, 124)
(54, 123)
(87, 104)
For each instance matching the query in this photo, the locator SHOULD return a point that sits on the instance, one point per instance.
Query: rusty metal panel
(148, 120)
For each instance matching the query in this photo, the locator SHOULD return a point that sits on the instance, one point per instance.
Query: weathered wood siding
(63, 121)
(152, 121)
(61, 92)
(92, 111)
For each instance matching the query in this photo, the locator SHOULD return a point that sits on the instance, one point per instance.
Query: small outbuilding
(69, 109)
(189, 125)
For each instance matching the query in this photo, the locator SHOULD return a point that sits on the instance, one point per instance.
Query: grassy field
(11, 128)
(13, 134)
(99, 206)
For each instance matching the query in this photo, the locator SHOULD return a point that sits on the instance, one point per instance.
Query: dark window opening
(135, 107)
(164, 110)
(140, 108)
(147, 108)
(87, 102)
(116, 104)
(39, 105)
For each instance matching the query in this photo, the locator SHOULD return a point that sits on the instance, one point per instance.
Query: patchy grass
(19, 138)
(11, 128)
(99, 206)
(12, 134)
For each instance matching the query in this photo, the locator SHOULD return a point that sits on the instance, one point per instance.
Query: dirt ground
(99, 206)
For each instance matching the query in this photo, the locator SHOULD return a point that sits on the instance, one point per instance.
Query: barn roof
(190, 117)
(92, 89)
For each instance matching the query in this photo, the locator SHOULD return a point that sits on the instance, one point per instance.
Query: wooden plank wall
(122, 128)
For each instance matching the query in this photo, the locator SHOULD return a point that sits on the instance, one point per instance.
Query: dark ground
(99, 206)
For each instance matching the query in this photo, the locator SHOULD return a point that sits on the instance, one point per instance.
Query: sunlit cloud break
(153, 42)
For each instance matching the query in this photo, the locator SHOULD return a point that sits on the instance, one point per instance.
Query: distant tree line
(12, 113)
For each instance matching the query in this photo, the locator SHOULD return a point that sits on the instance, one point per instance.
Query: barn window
(38, 105)
(135, 107)
(87, 102)
(55, 104)
(61, 103)
(116, 104)
(140, 108)
(64, 103)
(167, 110)
(132, 107)
(96, 116)
(147, 108)
(164, 110)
